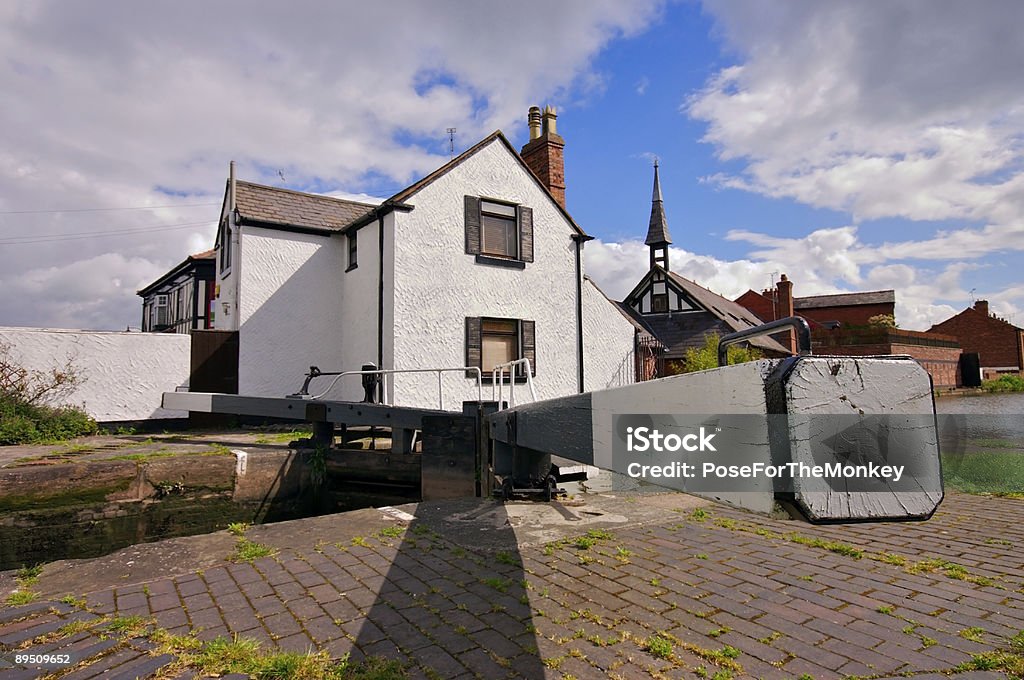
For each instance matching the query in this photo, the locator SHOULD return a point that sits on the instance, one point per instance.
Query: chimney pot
(550, 120)
(544, 154)
(533, 119)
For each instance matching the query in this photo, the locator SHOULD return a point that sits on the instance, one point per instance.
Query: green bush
(23, 423)
(1004, 383)
(25, 415)
(707, 356)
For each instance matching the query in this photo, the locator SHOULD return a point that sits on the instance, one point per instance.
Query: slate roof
(657, 230)
(734, 315)
(184, 265)
(873, 297)
(285, 208)
(681, 330)
(260, 204)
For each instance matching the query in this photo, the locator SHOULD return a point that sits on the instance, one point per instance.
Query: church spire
(658, 239)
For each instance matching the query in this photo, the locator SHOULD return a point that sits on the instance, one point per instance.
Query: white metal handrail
(384, 373)
(498, 381)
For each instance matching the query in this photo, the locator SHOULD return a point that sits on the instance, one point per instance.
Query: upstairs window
(225, 247)
(353, 250)
(498, 233)
(659, 297)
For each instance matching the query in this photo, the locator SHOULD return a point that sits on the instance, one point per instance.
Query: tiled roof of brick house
(873, 297)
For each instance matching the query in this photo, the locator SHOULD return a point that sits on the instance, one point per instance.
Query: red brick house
(998, 343)
(840, 326)
(845, 309)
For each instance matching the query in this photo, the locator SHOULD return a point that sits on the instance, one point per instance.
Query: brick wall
(760, 305)
(851, 315)
(938, 354)
(998, 343)
(942, 363)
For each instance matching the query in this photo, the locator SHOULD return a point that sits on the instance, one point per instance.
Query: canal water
(986, 416)
(73, 532)
(981, 439)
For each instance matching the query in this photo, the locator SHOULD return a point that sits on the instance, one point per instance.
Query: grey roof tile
(273, 205)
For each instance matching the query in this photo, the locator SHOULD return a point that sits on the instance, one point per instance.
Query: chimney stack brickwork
(784, 307)
(545, 152)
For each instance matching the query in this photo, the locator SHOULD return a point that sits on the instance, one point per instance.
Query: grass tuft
(250, 551)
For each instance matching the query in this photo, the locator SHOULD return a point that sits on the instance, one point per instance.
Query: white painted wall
(298, 306)
(125, 373)
(359, 295)
(290, 309)
(225, 309)
(437, 285)
(608, 342)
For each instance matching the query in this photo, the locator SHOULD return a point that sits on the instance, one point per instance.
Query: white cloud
(642, 85)
(77, 295)
(118, 104)
(618, 267)
(814, 269)
(895, 110)
(911, 110)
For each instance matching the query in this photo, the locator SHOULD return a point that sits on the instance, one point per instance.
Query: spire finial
(658, 239)
(656, 195)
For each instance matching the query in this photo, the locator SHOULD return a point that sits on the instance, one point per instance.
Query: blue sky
(851, 146)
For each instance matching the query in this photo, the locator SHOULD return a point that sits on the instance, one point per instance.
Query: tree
(703, 358)
(883, 321)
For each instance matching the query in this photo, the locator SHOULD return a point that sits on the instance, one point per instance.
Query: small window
(491, 342)
(500, 235)
(225, 247)
(161, 316)
(659, 303)
(353, 250)
(499, 342)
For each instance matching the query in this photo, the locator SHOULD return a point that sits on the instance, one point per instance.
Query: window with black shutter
(498, 233)
(225, 247)
(491, 342)
(353, 250)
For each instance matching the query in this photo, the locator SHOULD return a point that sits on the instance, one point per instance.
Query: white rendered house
(474, 265)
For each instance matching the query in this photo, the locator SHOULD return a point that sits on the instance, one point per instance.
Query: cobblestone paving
(708, 593)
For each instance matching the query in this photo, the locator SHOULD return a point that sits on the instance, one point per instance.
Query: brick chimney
(545, 152)
(784, 307)
(981, 306)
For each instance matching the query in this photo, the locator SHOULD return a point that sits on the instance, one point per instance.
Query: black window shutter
(474, 344)
(525, 233)
(528, 330)
(473, 225)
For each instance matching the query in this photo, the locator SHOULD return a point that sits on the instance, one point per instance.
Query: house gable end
(657, 282)
(404, 196)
